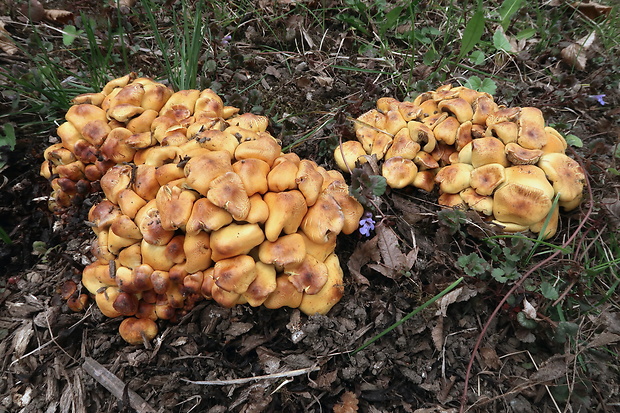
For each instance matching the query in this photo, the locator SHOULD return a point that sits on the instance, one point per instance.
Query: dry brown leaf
(7, 45)
(592, 10)
(394, 262)
(575, 53)
(437, 334)
(364, 253)
(490, 358)
(446, 300)
(552, 369)
(603, 339)
(60, 17)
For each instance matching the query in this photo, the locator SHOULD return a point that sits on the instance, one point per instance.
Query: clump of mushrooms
(200, 203)
(501, 162)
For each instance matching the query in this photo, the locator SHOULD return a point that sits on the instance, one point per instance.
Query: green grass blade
(472, 33)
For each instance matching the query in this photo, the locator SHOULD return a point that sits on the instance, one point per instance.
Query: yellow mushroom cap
(253, 173)
(477, 202)
(148, 220)
(235, 274)
(286, 212)
(137, 330)
(285, 294)
(235, 239)
(403, 146)
(566, 175)
(323, 219)
(486, 178)
(309, 181)
(520, 203)
(399, 172)
(454, 178)
(263, 285)
(308, 276)
(532, 134)
(487, 150)
(197, 248)
(227, 192)
(286, 250)
(459, 107)
(265, 148)
(347, 155)
(206, 216)
(201, 170)
(330, 294)
(518, 155)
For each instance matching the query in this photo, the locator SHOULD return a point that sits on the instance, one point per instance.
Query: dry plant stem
(290, 373)
(115, 385)
(515, 287)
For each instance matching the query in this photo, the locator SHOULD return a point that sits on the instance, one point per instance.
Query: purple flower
(367, 224)
(598, 98)
(226, 39)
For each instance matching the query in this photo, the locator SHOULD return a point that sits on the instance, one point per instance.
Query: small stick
(290, 373)
(115, 385)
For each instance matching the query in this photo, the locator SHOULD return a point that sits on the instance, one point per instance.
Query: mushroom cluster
(200, 203)
(502, 162)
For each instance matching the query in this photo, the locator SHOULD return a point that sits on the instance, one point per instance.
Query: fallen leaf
(437, 334)
(7, 45)
(592, 10)
(391, 255)
(446, 300)
(490, 358)
(60, 17)
(364, 253)
(603, 339)
(575, 53)
(550, 370)
(529, 310)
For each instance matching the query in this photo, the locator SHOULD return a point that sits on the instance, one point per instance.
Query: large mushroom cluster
(200, 203)
(502, 162)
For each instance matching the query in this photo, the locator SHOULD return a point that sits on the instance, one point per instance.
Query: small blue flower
(598, 98)
(367, 224)
(226, 39)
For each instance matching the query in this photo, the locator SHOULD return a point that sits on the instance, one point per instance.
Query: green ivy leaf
(500, 41)
(70, 33)
(499, 275)
(525, 321)
(473, 265)
(7, 138)
(477, 57)
(548, 291)
(573, 140)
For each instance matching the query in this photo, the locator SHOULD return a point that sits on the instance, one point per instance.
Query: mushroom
(330, 294)
(399, 172)
(137, 330)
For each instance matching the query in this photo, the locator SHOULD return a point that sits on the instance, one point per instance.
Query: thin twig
(290, 373)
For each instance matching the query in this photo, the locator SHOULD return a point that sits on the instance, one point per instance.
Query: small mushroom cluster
(200, 203)
(502, 162)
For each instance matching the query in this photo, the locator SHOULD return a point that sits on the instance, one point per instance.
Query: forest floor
(311, 74)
